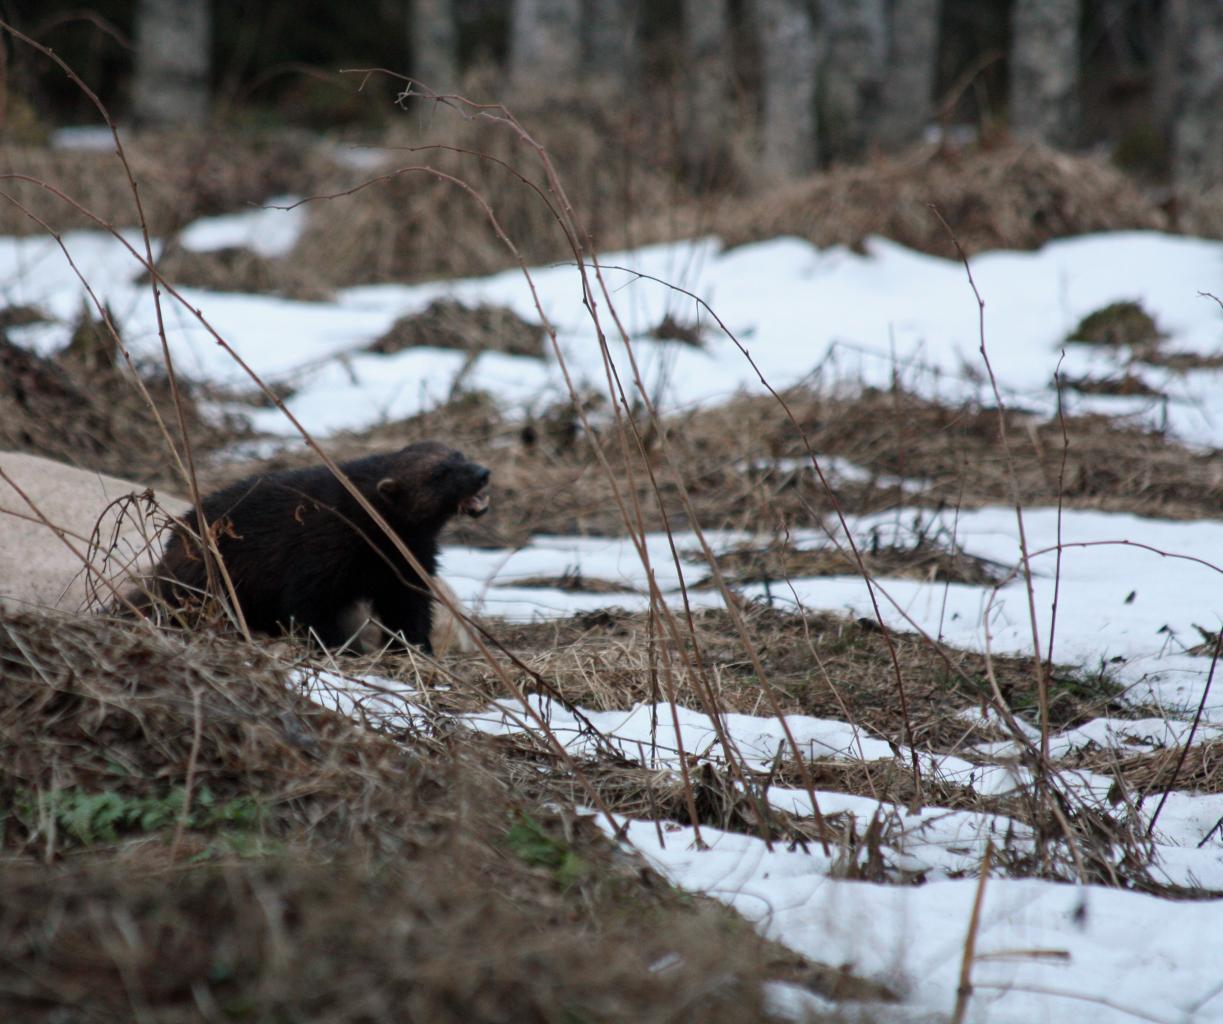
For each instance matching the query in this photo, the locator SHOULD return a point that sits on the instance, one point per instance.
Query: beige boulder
(48, 514)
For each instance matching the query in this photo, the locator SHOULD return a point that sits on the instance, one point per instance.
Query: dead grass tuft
(618, 165)
(1152, 773)
(1128, 327)
(20, 316)
(672, 329)
(447, 323)
(1118, 324)
(238, 269)
(1200, 212)
(1003, 197)
(573, 582)
(181, 176)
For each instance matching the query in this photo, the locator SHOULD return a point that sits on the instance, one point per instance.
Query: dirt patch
(447, 323)
(996, 197)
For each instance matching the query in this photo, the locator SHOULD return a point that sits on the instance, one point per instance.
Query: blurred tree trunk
(609, 42)
(707, 72)
(435, 61)
(172, 62)
(908, 87)
(1166, 92)
(1197, 126)
(1044, 101)
(789, 73)
(855, 32)
(545, 44)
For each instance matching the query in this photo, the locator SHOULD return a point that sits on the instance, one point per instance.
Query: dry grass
(1130, 329)
(181, 176)
(721, 801)
(994, 197)
(619, 163)
(1118, 324)
(953, 455)
(1124, 384)
(744, 467)
(186, 836)
(1153, 772)
(85, 409)
(923, 560)
(238, 269)
(820, 664)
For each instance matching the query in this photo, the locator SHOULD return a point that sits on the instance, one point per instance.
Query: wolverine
(303, 554)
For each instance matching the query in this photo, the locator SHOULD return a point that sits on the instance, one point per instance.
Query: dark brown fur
(302, 552)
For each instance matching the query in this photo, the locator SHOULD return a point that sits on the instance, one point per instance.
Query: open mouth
(476, 505)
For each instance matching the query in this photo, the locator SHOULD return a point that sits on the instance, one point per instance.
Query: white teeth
(476, 505)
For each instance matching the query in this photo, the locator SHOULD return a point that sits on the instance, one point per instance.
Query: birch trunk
(1197, 129)
(707, 67)
(1044, 101)
(435, 61)
(545, 44)
(852, 77)
(609, 42)
(789, 58)
(173, 61)
(907, 100)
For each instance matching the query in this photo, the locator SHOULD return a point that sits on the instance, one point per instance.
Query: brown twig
(964, 991)
(1197, 718)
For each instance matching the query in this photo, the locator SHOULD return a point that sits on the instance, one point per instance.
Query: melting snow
(1046, 952)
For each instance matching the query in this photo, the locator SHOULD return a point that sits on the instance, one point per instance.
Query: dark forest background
(821, 82)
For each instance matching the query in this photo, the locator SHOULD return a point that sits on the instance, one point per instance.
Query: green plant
(529, 841)
(91, 818)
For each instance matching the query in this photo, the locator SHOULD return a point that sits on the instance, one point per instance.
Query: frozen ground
(1046, 952)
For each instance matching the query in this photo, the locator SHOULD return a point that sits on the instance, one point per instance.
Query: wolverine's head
(431, 480)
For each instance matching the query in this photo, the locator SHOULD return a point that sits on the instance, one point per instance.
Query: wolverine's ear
(388, 487)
